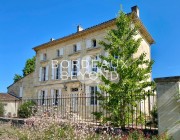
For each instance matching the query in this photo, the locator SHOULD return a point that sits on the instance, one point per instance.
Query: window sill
(74, 53)
(93, 48)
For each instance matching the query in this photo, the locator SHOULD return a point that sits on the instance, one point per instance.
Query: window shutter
(88, 64)
(47, 72)
(78, 46)
(60, 97)
(40, 73)
(46, 97)
(41, 57)
(53, 71)
(78, 66)
(60, 71)
(69, 68)
(88, 43)
(99, 60)
(88, 97)
(52, 96)
(39, 97)
(61, 51)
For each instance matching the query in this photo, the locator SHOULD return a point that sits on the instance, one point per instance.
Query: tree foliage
(17, 77)
(134, 72)
(26, 109)
(29, 66)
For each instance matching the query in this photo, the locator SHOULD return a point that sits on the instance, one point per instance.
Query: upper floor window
(43, 57)
(74, 73)
(43, 73)
(94, 43)
(75, 48)
(58, 53)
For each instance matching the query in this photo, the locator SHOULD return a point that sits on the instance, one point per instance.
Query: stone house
(11, 104)
(57, 64)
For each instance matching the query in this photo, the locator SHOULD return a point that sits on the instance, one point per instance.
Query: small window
(44, 56)
(93, 99)
(94, 43)
(43, 97)
(75, 48)
(58, 53)
(74, 68)
(74, 89)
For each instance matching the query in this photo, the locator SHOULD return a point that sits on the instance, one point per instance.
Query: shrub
(1, 109)
(26, 109)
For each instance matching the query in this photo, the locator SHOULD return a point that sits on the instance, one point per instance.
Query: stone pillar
(168, 105)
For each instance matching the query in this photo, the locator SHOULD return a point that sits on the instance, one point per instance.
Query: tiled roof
(102, 25)
(7, 97)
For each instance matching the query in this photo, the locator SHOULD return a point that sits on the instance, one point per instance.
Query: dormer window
(75, 48)
(94, 43)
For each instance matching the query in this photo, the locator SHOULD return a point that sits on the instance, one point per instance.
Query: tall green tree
(29, 66)
(17, 77)
(134, 72)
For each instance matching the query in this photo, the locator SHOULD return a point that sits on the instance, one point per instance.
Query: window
(74, 68)
(94, 42)
(57, 72)
(58, 53)
(43, 97)
(94, 66)
(43, 73)
(44, 57)
(75, 48)
(56, 97)
(74, 89)
(93, 96)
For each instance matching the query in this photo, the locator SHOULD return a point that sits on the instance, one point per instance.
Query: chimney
(135, 9)
(79, 28)
(52, 39)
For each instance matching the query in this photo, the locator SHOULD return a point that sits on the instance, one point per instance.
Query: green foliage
(134, 72)
(17, 77)
(1, 109)
(26, 109)
(98, 115)
(154, 117)
(29, 66)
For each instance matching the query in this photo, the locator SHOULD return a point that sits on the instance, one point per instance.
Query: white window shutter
(78, 46)
(78, 66)
(47, 72)
(99, 91)
(39, 97)
(99, 60)
(88, 43)
(52, 96)
(61, 51)
(40, 73)
(88, 97)
(41, 57)
(60, 97)
(53, 71)
(60, 71)
(88, 64)
(46, 97)
(69, 68)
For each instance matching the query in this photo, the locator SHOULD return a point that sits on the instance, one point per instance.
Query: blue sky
(26, 24)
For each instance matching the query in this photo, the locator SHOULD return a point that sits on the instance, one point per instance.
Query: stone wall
(25, 84)
(168, 105)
